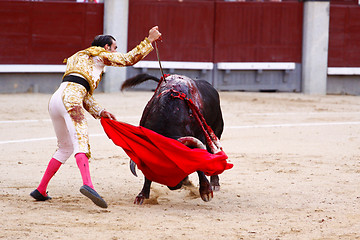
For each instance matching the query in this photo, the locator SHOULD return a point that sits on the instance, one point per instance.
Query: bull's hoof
(214, 180)
(139, 200)
(206, 194)
(207, 197)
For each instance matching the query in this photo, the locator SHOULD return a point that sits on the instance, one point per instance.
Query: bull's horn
(133, 167)
(191, 142)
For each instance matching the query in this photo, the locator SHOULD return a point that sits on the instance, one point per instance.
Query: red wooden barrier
(217, 31)
(197, 30)
(258, 32)
(344, 50)
(46, 32)
(344, 2)
(187, 28)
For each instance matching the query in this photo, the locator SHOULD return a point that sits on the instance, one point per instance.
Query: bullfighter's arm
(128, 59)
(92, 106)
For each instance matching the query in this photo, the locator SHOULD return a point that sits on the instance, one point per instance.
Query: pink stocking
(51, 169)
(83, 164)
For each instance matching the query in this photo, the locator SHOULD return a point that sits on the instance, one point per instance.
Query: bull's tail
(140, 78)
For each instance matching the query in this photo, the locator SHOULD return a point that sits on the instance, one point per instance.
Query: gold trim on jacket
(90, 62)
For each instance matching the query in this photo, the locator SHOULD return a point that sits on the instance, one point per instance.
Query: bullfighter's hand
(154, 34)
(106, 114)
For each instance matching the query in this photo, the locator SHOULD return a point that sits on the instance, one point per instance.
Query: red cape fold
(162, 159)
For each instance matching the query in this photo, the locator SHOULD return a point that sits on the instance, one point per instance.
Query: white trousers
(69, 138)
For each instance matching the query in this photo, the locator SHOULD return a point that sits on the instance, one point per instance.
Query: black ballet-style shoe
(93, 195)
(38, 196)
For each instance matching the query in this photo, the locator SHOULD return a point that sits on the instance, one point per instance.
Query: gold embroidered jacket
(90, 63)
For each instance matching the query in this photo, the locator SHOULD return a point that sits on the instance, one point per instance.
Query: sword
(158, 57)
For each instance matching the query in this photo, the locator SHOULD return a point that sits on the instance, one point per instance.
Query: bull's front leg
(206, 192)
(144, 194)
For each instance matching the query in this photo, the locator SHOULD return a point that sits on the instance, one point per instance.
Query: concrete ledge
(31, 68)
(256, 66)
(175, 65)
(344, 71)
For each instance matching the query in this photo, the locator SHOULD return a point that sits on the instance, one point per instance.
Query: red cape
(162, 159)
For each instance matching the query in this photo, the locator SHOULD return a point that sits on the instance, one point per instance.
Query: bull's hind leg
(214, 180)
(206, 192)
(144, 194)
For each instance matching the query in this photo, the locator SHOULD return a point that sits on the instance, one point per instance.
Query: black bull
(169, 115)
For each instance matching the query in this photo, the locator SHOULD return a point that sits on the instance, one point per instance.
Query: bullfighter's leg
(144, 194)
(206, 192)
(40, 192)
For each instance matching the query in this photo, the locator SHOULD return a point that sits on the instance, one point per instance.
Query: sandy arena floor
(296, 174)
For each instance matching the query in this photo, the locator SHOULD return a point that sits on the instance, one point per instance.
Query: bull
(169, 115)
